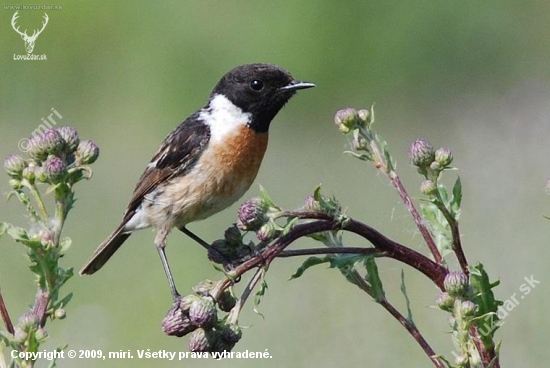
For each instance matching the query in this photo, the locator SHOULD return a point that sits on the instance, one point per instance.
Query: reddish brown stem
(5, 315)
(416, 216)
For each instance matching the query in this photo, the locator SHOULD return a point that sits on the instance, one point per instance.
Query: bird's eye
(257, 85)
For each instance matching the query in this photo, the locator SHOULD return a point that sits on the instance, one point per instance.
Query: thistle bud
(428, 187)
(220, 251)
(19, 335)
(203, 313)
(364, 115)
(41, 334)
(252, 214)
(29, 173)
(28, 321)
(468, 308)
(204, 287)
(52, 142)
(37, 148)
(346, 119)
(445, 301)
(54, 168)
(70, 137)
(456, 283)
(186, 301)
(311, 204)
(232, 333)
(176, 322)
(201, 340)
(359, 144)
(60, 313)
(443, 156)
(14, 165)
(87, 152)
(268, 232)
(233, 236)
(421, 153)
(226, 301)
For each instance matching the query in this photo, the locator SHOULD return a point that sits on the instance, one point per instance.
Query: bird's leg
(184, 230)
(207, 246)
(160, 243)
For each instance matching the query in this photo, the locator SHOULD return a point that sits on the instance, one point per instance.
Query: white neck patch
(223, 117)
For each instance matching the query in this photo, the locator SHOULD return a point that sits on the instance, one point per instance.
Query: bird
(207, 162)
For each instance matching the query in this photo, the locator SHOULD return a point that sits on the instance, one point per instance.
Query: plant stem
(455, 233)
(234, 314)
(38, 198)
(341, 250)
(409, 326)
(398, 185)
(5, 315)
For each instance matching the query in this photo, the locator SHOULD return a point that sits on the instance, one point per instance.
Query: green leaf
(310, 262)
(364, 156)
(63, 302)
(266, 198)
(259, 294)
(289, 225)
(486, 319)
(64, 245)
(438, 226)
(373, 278)
(19, 235)
(457, 198)
(407, 301)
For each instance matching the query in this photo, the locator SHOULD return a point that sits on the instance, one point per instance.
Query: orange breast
(220, 177)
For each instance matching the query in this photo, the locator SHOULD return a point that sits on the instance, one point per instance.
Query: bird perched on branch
(207, 162)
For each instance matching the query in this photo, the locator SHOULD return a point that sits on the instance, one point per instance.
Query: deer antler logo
(29, 40)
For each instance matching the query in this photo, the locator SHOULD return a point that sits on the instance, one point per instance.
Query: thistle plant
(57, 160)
(466, 293)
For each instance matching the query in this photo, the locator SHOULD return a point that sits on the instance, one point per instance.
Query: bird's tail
(105, 251)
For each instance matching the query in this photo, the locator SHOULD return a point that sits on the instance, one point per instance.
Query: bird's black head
(260, 90)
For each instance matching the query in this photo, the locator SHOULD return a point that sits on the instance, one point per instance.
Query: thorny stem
(409, 326)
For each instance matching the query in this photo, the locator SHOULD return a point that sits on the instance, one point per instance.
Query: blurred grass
(469, 75)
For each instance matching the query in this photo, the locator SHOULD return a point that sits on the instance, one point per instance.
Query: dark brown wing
(178, 152)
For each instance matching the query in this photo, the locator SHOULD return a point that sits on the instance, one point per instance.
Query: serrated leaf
(438, 226)
(487, 305)
(373, 278)
(20, 235)
(310, 262)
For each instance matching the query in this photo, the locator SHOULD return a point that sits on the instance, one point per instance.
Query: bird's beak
(296, 85)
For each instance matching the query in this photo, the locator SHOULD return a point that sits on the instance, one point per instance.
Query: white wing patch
(223, 117)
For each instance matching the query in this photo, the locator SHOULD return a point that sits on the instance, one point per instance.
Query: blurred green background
(470, 75)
